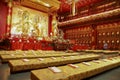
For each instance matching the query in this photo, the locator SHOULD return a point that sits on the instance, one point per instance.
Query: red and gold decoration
(81, 35)
(96, 36)
(29, 23)
(104, 15)
(66, 4)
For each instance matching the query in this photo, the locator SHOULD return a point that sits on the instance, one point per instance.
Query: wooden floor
(113, 74)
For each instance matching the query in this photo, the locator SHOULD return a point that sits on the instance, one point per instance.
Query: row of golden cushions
(83, 70)
(28, 64)
(28, 52)
(5, 58)
(101, 51)
(8, 55)
(17, 52)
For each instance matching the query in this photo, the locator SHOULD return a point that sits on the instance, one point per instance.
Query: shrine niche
(29, 22)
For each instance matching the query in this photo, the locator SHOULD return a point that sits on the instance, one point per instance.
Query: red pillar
(3, 18)
(94, 37)
(50, 24)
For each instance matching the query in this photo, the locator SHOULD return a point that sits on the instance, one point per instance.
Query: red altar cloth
(79, 47)
(30, 44)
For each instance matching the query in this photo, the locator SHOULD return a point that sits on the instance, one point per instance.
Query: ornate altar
(60, 43)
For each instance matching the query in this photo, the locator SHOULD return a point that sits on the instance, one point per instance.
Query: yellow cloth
(83, 71)
(22, 55)
(20, 65)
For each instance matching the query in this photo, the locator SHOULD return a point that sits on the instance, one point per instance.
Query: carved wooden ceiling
(53, 5)
(49, 6)
(65, 6)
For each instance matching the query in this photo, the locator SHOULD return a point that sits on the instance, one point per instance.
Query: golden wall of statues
(98, 35)
(29, 22)
(82, 36)
(109, 33)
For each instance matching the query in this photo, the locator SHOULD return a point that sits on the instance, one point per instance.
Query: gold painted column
(54, 26)
(9, 17)
(73, 7)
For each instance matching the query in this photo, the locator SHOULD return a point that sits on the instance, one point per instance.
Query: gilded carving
(29, 22)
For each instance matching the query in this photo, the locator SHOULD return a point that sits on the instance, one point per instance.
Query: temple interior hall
(59, 39)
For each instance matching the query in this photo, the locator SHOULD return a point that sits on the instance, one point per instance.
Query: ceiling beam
(34, 5)
(95, 17)
(48, 6)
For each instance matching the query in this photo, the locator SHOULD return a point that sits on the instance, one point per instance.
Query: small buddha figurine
(105, 46)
